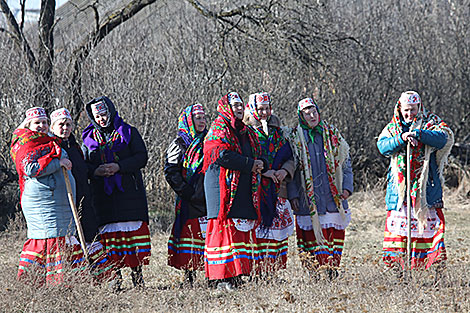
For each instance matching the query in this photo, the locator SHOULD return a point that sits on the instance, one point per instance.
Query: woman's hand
(257, 166)
(66, 163)
(108, 169)
(281, 174)
(294, 203)
(345, 194)
(410, 137)
(271, 174)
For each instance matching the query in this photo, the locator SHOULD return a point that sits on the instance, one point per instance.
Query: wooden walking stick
(75, 213)
(408, 204)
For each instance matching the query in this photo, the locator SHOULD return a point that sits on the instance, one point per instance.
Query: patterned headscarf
(192, 159)
(254, 100)
(222, 136)
(420, 154)
(193, 140)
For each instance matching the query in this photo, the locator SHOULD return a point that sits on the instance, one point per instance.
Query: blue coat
(388, 146)
(323, 198)
(45, 202)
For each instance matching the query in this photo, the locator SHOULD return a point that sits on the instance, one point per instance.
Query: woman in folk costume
(62, 126)
(431, 141)
(115, 153)
(318, 193)
(231, 186)
(51, 246)
(277, 222)
(183, 167)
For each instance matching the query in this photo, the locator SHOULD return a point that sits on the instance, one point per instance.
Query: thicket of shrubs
(354, 57)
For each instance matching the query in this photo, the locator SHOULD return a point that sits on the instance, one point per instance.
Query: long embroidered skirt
(101, 265)
(272, 243)
(427, 248)
(47, 259)
(127, 244)
(314, 254)
(188, 252)
(229, 250)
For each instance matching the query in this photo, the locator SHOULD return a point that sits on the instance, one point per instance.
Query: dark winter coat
(192, 192)
(242, 206)
(83, 193)
(130, 205)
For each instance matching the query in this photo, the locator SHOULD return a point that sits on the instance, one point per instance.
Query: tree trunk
(44, 92)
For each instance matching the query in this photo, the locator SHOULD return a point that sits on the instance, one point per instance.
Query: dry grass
(364, 285)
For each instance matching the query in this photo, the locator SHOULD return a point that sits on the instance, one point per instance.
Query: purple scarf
(108, 148)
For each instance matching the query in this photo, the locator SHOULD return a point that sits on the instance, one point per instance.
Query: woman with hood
(431, 141)
(277, 222)
(62, 126)
(318, 193)
(115, 153)
(183, 168)
(39, 160)
(231, 184)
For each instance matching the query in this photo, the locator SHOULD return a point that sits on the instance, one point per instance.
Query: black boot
(116, 283)
(137, 277)
(189, 277)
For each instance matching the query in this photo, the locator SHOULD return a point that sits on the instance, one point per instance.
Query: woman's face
(199, 121)
(409, 111)
(311, 115)
(264, 111)
(39, 125)
(62, 128)
(101, 118)
(238, 110)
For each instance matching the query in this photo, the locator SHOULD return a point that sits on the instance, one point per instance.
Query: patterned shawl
(336, 151)
(276, 151)
(221, 136)
(108, 147)
(420, 158)
(192, 162)
(29, 146)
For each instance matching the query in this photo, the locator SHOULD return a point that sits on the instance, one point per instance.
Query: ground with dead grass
(364, 285)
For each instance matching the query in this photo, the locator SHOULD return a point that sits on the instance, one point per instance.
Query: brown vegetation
(364, 284)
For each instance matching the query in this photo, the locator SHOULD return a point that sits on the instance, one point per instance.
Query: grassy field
(364, 285)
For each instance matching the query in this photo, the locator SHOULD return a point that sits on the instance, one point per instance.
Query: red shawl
(29, 146)
(221, 136)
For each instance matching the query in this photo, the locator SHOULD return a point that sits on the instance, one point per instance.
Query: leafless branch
(18, 36)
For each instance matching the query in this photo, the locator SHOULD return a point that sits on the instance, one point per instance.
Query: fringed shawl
(420, 159)
(222, 136)
(336, 151)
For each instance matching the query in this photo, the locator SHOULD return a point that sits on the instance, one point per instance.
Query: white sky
(31, 4)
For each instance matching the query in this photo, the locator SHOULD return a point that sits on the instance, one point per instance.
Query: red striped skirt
(45, 260)
(270, 255)
(424, 251)
(188, 252)
(313, 254)
(229, 252)
(101, 265)
(128, 248)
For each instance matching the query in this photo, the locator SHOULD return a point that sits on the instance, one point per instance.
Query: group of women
(242, 186)
(107, 186)
(240, 182)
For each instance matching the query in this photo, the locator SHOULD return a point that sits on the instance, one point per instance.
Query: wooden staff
(75, 213)
(408, 203)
